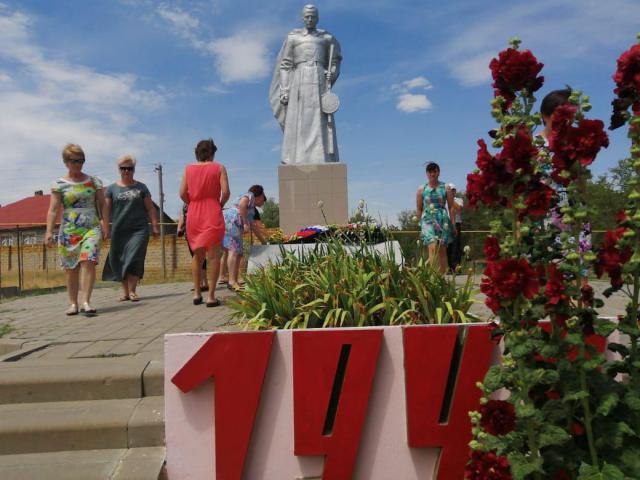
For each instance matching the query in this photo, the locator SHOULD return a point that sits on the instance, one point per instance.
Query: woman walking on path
(129, 207)
(434, 208)
(81, 197)
(205, 189)
(236, 219)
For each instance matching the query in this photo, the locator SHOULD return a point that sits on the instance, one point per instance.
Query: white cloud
(50, 102)
(418, 82)
(411, 103)
(243, 57)
(240, 57)
(474, 70)
(555, 30)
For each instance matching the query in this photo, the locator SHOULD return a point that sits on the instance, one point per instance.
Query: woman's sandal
(197, 300)
(124, 298)
(214, 303)
(72, 310)
(86, 308)
(223, 281)
(235, 288)
(134, 297)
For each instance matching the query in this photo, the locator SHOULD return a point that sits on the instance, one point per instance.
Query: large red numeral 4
(441, 372)
(237, 362)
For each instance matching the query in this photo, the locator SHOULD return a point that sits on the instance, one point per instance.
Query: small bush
(331, 287)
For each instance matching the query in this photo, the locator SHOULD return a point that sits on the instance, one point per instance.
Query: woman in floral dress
(434, 206)
(81, 197)
(237, 219)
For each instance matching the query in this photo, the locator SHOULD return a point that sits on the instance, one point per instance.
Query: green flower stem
(633, 372)
(587, 413)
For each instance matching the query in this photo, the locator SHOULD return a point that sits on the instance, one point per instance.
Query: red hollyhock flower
(586, 293)
(571, 144)
(491, 248)
(611, 257)
(515, 70)
(498, 417)
(554, 290)
(487, 466)
(509, 278)
(537, 200)
(518, 152)
(561, 475)
(627, 76)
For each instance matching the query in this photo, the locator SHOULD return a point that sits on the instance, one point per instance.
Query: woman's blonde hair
(127, 159)
(71, 150)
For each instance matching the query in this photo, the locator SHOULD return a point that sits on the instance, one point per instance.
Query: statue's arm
(286, 66)
(336, 61)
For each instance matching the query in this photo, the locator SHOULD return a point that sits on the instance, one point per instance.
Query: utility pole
(164, 262)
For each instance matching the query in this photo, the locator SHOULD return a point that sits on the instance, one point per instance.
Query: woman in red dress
(205, 188)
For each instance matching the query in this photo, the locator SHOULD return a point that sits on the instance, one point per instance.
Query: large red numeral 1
(237, 362)
(428, 359)
(332, 377)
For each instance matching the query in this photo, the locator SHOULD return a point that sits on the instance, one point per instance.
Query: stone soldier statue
(308, 65)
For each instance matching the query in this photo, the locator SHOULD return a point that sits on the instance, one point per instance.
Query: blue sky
(150, 78)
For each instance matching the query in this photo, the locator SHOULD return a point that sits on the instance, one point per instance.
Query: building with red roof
(29, 217)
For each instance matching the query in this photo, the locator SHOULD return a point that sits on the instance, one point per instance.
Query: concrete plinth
(303, 186)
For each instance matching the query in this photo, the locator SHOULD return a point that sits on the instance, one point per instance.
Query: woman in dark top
(128, 204)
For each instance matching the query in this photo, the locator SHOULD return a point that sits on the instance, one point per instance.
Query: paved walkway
(119, 329)
(134, 329)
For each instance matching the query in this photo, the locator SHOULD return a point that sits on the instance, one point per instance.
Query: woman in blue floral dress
(238, 218)
(434, 205)
(80, 235)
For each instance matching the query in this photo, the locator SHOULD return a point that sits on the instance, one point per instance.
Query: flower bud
(580, 214)
(361, 204)
(497, 143)
(586, 107)
(466, 249)
(572, 256)
(414, 219)
(320, 204)
(589, 256)
(629, 234)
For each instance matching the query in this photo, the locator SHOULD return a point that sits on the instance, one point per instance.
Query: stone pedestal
(303, 186)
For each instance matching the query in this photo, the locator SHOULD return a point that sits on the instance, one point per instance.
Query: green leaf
(493, 380)
(607, 404)
(604, 327)
(552, 435)
(572, 397)
(618, 348)
(523, 466)
(632, 400)
(609, 472)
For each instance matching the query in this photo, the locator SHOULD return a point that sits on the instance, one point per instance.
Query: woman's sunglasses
(77, 161)
(127, 169)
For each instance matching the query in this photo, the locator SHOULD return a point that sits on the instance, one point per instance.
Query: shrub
(331, 287)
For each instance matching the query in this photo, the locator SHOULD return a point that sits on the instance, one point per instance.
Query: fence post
(20, 272)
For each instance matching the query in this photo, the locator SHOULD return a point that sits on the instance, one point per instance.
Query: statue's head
(310, 16)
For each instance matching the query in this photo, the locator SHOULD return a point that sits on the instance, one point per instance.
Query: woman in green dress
(81, 197)
(129, 207)
(434, 207)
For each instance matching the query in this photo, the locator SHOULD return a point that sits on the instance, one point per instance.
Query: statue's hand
(284, 99)
(328, 75)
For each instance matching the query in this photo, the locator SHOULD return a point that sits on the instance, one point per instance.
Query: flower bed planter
(386, 420)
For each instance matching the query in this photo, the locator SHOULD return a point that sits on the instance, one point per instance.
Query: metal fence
(27, 264)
